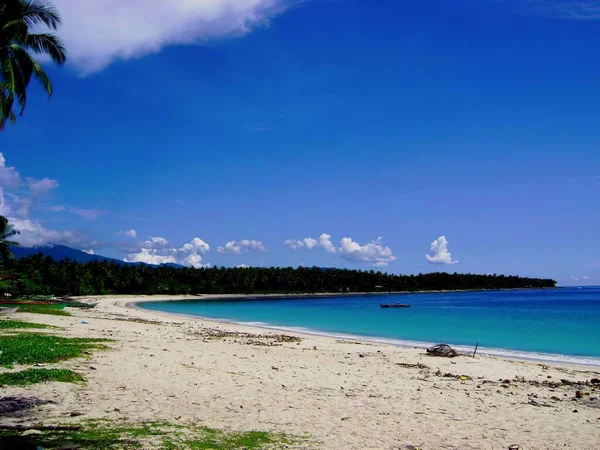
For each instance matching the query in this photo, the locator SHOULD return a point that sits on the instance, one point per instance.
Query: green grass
(54, 310)
(15, 324)
(105, 434)
(32, 376)
(32, 348)
(215, 439)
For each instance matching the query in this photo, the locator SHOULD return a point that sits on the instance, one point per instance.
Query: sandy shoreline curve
(514, 355)
(342, 394)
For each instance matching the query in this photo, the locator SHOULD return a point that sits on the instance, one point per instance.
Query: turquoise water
(558, 325)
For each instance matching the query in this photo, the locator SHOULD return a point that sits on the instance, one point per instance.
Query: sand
(342, 395)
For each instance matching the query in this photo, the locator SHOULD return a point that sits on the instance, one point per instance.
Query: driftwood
(442, 350)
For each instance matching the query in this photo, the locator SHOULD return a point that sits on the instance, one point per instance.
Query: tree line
(42, 275)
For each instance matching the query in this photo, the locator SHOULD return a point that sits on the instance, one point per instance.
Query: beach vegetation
(32, 348)
(50, 309)
(17, 44)
(7, 232)
(18, 324)
(107, 434)
(33, 376)
(42, 275)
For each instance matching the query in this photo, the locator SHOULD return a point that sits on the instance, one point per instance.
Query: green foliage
(52, 310)
(104, 434)
(17, 66)
(6, 233)
(39, 348)
(17, 324)
(41, 275)
(32, 376)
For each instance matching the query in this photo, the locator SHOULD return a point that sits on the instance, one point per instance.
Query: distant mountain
(60, 252)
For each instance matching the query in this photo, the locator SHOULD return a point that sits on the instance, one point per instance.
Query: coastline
(237, 297)
(340, 394)
(504, 353)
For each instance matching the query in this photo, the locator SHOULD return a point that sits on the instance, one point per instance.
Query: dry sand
(343, 395)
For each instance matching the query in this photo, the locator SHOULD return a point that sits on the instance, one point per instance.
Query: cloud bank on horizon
(158, 250)
(100, 32)
(374, 252)
(243, 246)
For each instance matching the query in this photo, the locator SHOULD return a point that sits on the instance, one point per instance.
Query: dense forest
(40, 275)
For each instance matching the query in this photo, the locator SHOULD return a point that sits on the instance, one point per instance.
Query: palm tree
(6, 232)
(17, 66)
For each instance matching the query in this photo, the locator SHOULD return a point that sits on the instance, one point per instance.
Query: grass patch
(105, 434)
(39, 348)
(54, 310)
(15, 324)
(218, 440)
(32, 376)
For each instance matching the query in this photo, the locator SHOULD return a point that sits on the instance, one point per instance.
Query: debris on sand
(17, 406)
(443, 350)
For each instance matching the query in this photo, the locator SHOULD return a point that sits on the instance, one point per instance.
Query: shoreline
(339, 394)
(308, 295)
(508, 354)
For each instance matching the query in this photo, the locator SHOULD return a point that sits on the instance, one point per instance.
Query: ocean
(560, 325)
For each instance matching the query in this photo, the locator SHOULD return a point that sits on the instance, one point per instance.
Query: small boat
(394, 305)
(8, 310)
(79, 304)
(72, 303)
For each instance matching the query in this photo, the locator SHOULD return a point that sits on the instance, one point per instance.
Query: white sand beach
(339, 394)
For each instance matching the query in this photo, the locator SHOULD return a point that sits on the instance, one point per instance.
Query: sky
(408, 137)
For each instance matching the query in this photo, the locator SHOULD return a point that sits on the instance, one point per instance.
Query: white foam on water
(503, 353)
(498, 352)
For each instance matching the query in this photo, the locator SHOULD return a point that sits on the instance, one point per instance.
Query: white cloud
(158, 250)
(9, 177)
(374, 252)
(242, 266)
(325, 242)
(243, 246)
(34, 234)
(39, 187)
(130, 233)
(438, 252)
(89, 252)
(309, 244)
(102, 31)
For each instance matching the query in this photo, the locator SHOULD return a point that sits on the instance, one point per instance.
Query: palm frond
(47, 43)
(8, 90)
(13, 243)
(36, 12)
(30, 67)
(23, 63)
(17, 66)
(16, 29)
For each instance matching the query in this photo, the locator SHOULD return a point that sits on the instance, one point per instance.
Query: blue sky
(273, 121)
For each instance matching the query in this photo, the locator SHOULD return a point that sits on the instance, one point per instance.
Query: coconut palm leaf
(38, 12)
(17, 66)
(49, 44)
